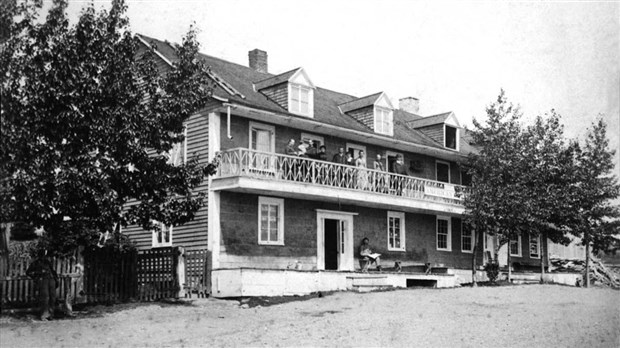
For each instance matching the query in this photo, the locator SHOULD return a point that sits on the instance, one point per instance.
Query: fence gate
(157, 274)
(109, 275)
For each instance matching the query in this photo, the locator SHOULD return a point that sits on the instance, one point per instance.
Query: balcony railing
(279, 167)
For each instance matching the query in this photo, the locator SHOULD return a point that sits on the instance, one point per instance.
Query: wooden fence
(108, 276)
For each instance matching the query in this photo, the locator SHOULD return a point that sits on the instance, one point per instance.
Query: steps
(367, 282)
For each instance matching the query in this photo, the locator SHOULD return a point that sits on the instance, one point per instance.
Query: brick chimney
(409, 104)
(258, 60)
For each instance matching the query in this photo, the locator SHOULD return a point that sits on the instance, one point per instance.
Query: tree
(86, 124)
(520, 177)
(594, 187)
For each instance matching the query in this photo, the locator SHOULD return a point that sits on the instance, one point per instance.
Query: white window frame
(262, 126)
(381, 111)
(159, 228)
(449, 170)
(449, 235)
(181, 149)
(296, 108)
(271, 201)
(519, 254)
(472, 239)
(456, 136)
(358, 148)
(315, 138)
(401, 216)
(537, 239)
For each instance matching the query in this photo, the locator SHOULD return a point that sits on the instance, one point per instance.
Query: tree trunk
(587, 282)
(473, 260)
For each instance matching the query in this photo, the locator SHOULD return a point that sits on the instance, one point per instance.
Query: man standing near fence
(46, 279)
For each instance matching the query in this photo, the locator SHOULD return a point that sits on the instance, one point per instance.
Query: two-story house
(279, 223)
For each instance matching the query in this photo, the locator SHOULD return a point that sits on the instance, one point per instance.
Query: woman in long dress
(362, 174)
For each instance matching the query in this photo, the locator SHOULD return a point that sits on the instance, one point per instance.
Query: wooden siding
(278, 93)
(192, 235)
(434, 132)
(366, 116)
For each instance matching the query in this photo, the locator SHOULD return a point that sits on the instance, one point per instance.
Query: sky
(452, 56)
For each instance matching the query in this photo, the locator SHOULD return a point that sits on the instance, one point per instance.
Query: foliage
(492, 270)
(87, 121)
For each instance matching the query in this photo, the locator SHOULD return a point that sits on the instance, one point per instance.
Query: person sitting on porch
(368, 257)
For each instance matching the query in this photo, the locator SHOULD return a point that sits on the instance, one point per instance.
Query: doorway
(334, 240)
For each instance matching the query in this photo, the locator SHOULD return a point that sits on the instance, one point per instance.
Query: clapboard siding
(192, 235)
(365, 116)
(278, 93)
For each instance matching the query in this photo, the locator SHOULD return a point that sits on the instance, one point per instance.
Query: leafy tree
(594, 188)
(86, 123)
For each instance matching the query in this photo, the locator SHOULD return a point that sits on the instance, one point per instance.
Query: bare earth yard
(512, 316)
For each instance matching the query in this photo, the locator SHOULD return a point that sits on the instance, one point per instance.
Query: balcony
(244, 170)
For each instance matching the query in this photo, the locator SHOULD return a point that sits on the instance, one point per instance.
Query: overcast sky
(451, 55)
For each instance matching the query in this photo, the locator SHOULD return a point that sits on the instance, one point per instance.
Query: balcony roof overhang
(304, 191)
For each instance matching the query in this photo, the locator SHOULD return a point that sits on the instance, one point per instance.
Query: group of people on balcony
(358, 178)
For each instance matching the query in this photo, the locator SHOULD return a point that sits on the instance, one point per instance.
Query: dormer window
(384, 121)
(300, 99)
(451, 137)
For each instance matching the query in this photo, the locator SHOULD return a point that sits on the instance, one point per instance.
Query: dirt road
(513, 316)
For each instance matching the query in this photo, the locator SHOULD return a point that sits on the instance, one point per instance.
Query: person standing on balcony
(340, 157)
(290, 148)
(322, 155)
(379, 178)
(46, 280)
(303, 163)
(289, 163)
(362, 174)
(322, 167)
(338, 171)
(398, 168)
(349, 174)
(311, 150)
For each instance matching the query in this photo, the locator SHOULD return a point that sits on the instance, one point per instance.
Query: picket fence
(108, 276)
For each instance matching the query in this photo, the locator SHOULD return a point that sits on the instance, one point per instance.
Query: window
(444, 234)
(300, 100)
(515, 246)
(535, 247)
(178, 154)
(384, 121)
(465, 178)
(396, 231)
(162, 235)
(451, 138)
(467, 238)
(355, 149)
(270, 221)
(317, 140)
(442, 171)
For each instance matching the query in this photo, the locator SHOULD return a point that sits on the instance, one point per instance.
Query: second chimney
(258, 60)
(409, 104)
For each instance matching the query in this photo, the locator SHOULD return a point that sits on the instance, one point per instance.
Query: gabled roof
(433, 120)
(360, 102)
(275, 80)
(237, 81)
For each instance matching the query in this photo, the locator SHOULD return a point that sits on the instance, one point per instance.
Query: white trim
(310, 136)
(449, 170)
(160, 228)
(356, 148)
(401, 216)
(472, 239)
(280, 204)
(519, 246)
(262, 126)
(456, 135)
(301, 87)
(154, 50)
(305, 78)
(384, 101)
(537, 238)
(346, 256)
(389, 113)
(449, 236)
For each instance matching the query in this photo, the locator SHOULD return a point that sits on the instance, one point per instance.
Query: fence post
(181, 271)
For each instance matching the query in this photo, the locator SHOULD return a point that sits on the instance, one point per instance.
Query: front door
(334, 241)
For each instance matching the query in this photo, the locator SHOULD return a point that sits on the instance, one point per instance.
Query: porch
(240, 282)
(244, 170)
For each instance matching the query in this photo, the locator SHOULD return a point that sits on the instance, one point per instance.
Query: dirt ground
(510, 316)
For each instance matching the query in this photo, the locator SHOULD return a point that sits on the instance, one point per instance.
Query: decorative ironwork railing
(279, 167)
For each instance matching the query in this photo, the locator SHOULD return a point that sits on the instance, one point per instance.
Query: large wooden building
(279, 223)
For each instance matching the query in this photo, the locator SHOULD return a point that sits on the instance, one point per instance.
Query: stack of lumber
(599, 273)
